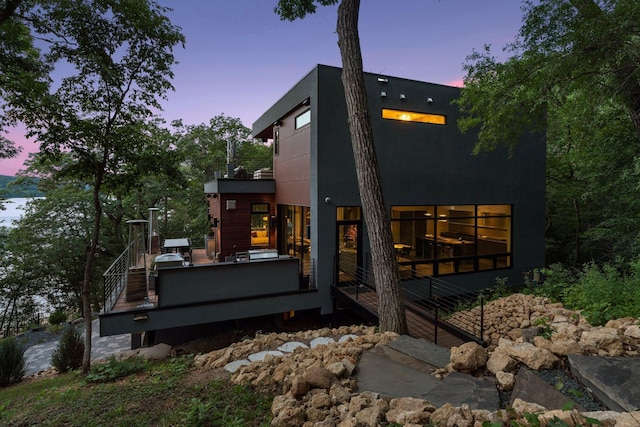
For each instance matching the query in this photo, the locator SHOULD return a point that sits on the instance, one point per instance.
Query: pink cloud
(12, 166)
(456, 83)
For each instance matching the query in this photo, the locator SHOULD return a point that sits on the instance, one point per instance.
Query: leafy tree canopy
(562, 46)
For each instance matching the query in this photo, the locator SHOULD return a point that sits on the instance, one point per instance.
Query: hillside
(10, 189)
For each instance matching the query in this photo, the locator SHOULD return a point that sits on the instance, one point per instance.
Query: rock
(602, 341)
(337, 369)
(441, 415)
(565, 347)
(501, 361)
(542, 342)
(339, 394)
(506, 380)
(157, 352)
(633, 331)
(532, 356)
(289, 417)
(409, 410)
(370, 416)
(321, 400)
(349, 366)
(299, 386)
(468, 357)
(530, 333)
(523, 407)
(320, 378)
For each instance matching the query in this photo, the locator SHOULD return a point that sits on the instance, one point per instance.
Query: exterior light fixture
(383, 80)
(430, 100)
(402, 96)
(327, 200)
(383, 94)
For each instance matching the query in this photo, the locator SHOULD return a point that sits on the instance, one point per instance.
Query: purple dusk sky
(240, 58)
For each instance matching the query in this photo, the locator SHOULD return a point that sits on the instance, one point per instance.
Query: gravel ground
(568, 385)
(41, 336)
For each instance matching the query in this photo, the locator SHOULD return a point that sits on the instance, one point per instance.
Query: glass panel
(259, 224)
(412, 116)
(303, 119)
(348, 251)
(348, 213)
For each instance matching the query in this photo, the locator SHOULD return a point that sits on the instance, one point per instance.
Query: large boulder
(602, 341)
(530, 355)
(469, 357)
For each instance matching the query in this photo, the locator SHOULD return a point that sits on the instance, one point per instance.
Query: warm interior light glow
(410, 116)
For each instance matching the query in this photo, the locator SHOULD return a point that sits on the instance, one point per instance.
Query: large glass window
(260, 224)
(439, 240)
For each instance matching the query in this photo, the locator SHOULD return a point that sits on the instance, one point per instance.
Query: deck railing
(114, 280)
(444, 304)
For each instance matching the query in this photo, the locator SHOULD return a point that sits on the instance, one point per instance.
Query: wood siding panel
(235, 225)
(292, 164)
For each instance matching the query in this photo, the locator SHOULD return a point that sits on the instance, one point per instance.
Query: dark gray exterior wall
(212, 293)
(420, 164)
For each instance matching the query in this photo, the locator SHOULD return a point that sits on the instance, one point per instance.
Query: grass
(169, 393)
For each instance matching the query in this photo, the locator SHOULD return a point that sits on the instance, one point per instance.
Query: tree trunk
(391, 310)
(88, 268)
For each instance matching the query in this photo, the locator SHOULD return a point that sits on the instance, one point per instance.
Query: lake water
(14, 209)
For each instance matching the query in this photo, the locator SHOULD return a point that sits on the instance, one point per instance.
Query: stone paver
(321, 341)
(289, 347)
(38, 357)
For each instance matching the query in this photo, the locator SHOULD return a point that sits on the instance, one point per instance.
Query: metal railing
(247, 165)
(307, 274)
(444, 305)
(115, 279)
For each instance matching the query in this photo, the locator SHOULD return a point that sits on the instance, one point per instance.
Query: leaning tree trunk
(391, 310)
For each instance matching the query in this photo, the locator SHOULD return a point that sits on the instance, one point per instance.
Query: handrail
(437, 299)
(115, 279)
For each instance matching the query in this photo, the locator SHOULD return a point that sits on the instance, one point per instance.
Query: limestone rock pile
(318, 387)
(552, 327)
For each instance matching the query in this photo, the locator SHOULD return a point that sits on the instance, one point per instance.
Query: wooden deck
(419, 321)
(149, 299)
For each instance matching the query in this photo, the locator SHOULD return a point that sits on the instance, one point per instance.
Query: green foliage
(567, 54)
(116, 369)
(554, 286)
(291, 10)
(546, 330)
(12, 362)
(605, 293)
(57, 317)
(240, 407)
(601, 293)
(11, 187)
(68, 354)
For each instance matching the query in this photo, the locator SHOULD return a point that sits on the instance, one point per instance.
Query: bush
(12, 362)
(601, 292)
(116, 369)
(68, 355)
(57, 317)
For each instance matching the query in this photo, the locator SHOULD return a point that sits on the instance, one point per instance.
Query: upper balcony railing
(244, 168)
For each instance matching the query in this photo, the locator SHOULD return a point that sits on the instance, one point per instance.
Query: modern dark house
(467, 219)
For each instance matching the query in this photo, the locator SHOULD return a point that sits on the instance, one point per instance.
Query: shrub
(57, 317)
(68, 354)
(12, 362)
(115, 369)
